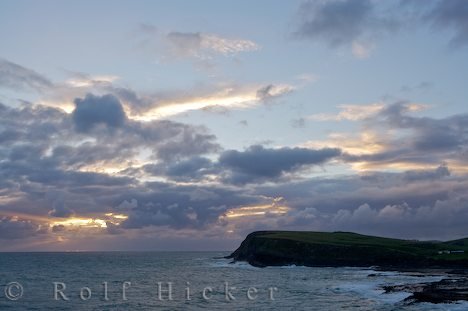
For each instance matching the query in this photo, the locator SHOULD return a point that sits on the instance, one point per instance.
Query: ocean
(191, 281)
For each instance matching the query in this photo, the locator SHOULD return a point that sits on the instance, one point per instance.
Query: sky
(177, 125)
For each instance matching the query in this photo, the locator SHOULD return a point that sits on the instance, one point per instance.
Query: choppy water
(298, 288)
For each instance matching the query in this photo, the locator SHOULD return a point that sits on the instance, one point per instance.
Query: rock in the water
(444, 291)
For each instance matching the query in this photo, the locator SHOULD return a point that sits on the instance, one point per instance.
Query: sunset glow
(178, 125)
(256, 211)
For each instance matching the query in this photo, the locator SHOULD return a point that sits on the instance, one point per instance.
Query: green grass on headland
(414, 247)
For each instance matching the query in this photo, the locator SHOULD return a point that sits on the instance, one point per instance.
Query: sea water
(192, 281)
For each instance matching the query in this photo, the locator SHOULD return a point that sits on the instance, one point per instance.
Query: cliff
(276, 248)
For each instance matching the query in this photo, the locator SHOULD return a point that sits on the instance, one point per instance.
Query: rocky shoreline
(448, 290)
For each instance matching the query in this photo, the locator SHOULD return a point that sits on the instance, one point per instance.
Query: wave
(228, 263)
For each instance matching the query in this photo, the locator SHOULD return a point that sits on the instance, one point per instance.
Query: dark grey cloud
(335, 22)
(345, 22)
(11, 228)
(258, 163)
(424, 204)
(188, 143)
(18, 77)
(8, 136)
(443, 219)
(120, 138)
(430, 134)
(178, 206)
(112, 228)
(43, 155)
(98, 110)
(440, 172)
(190, 169)
(255, 164)
(423, 140)
(59, 209)
(328, 195)
(451, 15)
(341, 22)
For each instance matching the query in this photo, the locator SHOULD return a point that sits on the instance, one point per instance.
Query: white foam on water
(372, 287)
(288, 267)
(228, 263)
(372, 291)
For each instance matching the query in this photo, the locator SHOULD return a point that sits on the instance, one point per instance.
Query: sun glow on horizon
(83, 222)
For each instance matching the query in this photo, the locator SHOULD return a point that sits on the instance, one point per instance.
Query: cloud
(223, 97)
(440, 172)
(161, 104)
(350, 113)
(160, 177)
(201, 45)
(451, 15)
(432, 205)
(17, 77)
(191, 169)
(188, 143)
(14, 228)
(47, 149)
(95, 110)
(394, 136)
(258, 163)
(423, 86)
(335, 22)
(88, 97)
(51, 170)
(188, 206)
(80, 80)
(359, 24)
(438, 136)
(442, 218)
(58, 228)
(61, 210)
(203, 49)
(183, 185)
(350, 23)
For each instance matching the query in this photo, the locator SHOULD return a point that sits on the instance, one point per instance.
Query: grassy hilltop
(273, 248)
